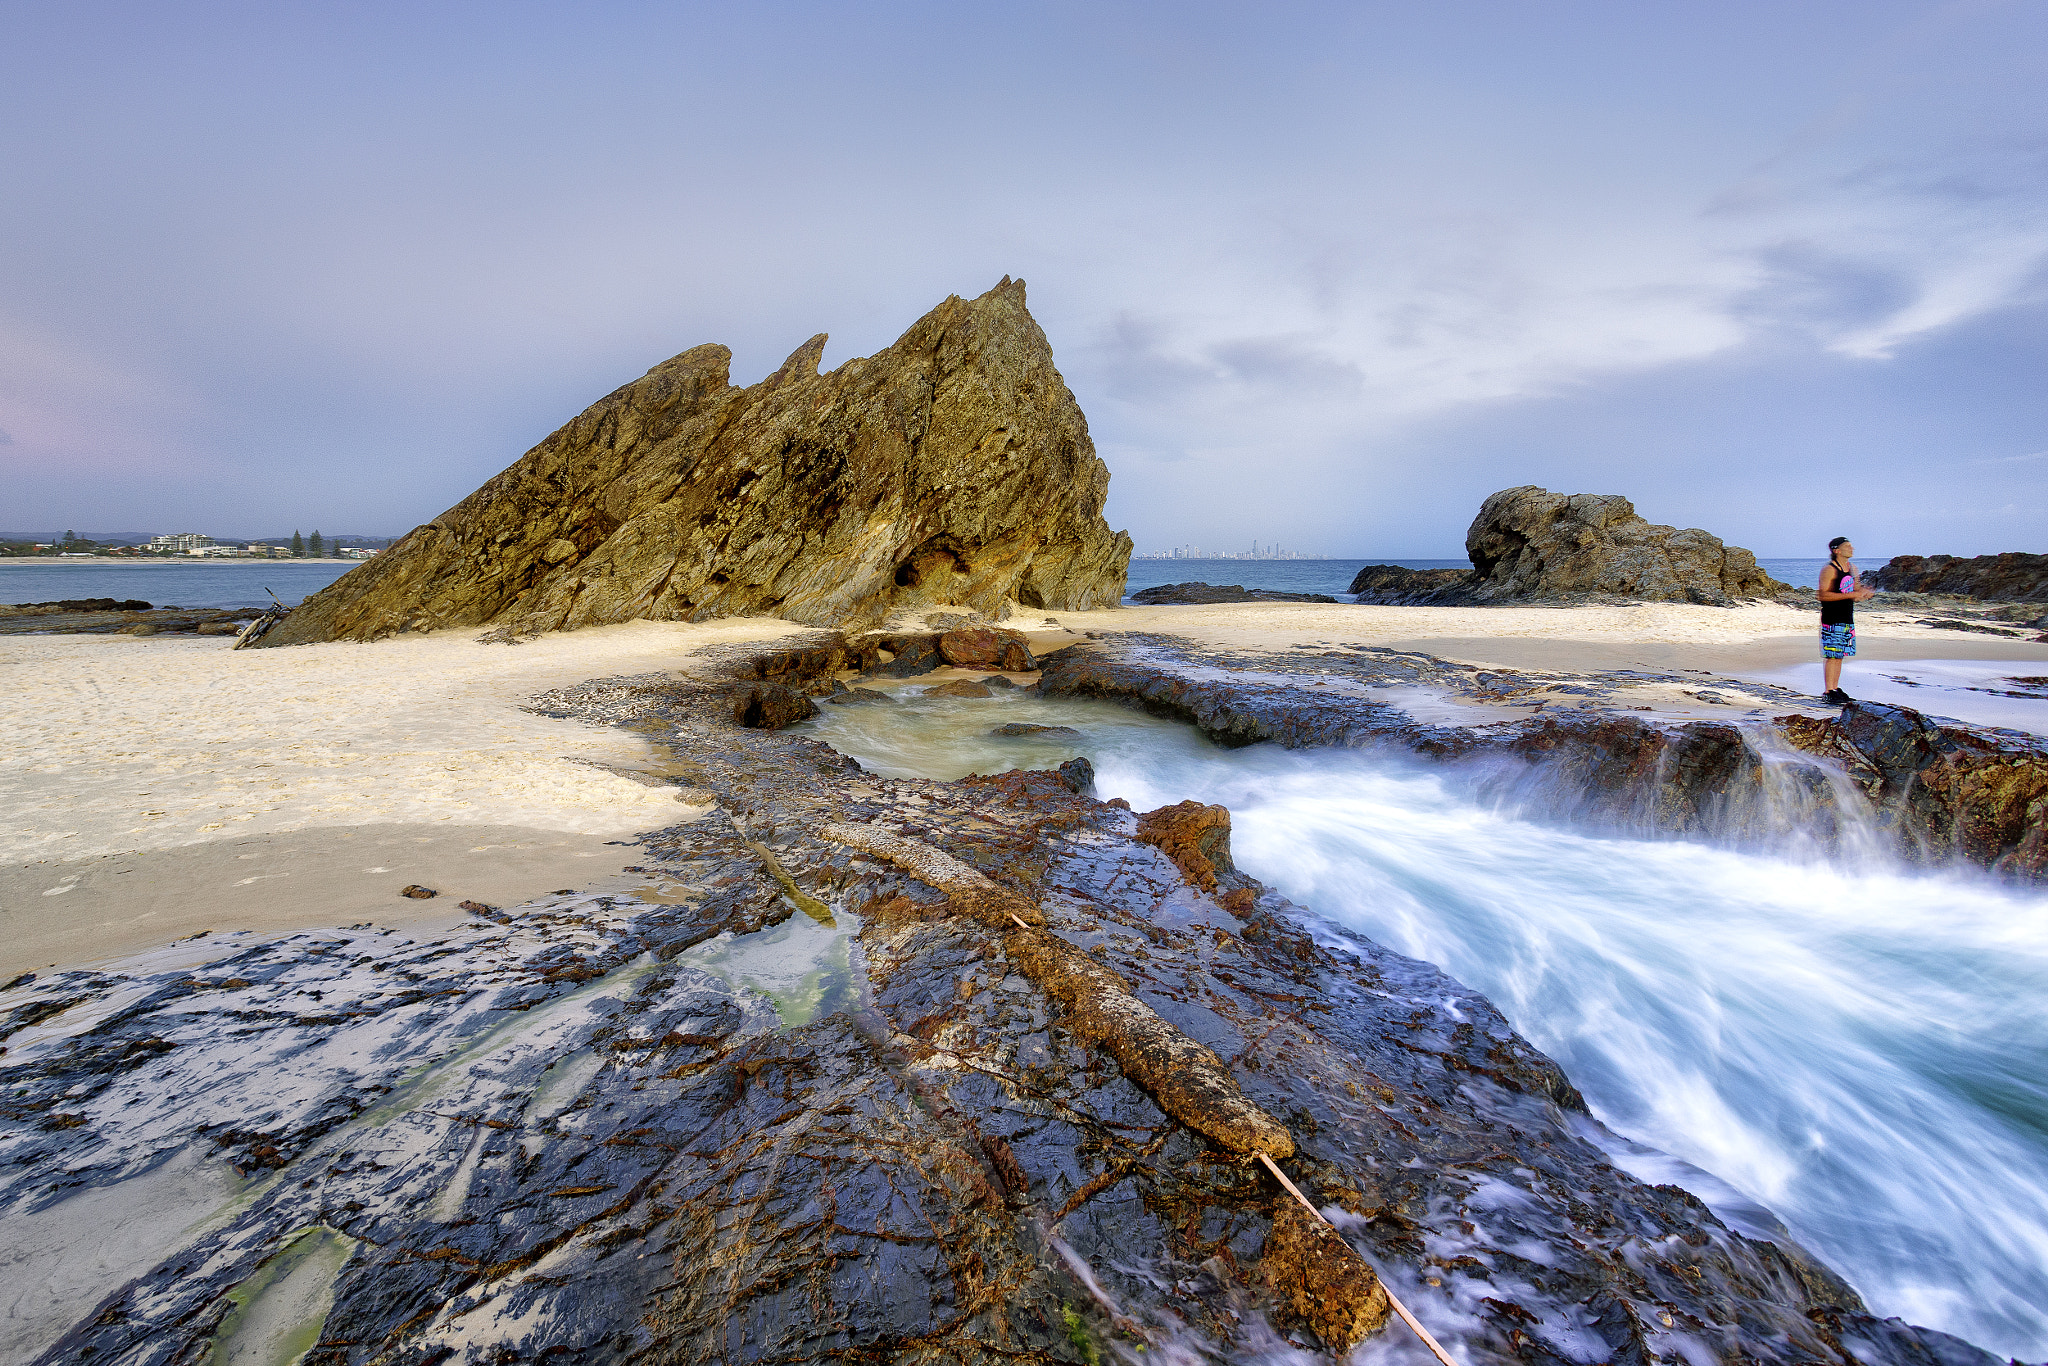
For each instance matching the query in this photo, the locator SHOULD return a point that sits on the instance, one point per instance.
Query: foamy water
(1855, 1045)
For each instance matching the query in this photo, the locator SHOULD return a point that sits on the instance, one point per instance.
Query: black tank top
(1842, 613)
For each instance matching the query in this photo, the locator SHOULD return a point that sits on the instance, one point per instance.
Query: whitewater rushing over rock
(1818, 1034)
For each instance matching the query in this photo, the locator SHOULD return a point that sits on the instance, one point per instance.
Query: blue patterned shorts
(1837, 642)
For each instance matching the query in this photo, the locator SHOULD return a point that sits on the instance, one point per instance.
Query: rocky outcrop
(952, 468)
(1188, 594)
(2011, 577)
(106, 616)
(1531, 545)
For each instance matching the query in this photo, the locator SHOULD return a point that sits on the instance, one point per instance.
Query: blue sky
(1323, 274)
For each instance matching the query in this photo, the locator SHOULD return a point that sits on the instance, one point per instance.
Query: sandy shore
(153, 788)
(121, 747)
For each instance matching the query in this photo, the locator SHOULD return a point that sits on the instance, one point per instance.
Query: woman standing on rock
(1839, 594)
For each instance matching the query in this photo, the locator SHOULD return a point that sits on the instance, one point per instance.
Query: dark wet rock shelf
(567, 1137)
(1186, 594)
(108, 616)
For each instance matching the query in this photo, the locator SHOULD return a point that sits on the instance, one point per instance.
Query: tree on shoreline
(315, 547)
(298, 546)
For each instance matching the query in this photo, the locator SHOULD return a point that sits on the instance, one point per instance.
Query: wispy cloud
(2012, 459)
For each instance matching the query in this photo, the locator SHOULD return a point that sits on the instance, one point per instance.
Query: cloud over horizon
(1328, 277)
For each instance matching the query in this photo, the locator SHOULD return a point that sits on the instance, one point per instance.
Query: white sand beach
(122, 750)
(153, 788)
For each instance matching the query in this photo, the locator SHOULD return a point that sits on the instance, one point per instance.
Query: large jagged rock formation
(2012, 576)
(1529, 544)
(954, 467)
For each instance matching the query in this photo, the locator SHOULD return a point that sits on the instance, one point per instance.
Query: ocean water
(172, 583)
(1856, 1045)
(214, 583)
(1334, 576)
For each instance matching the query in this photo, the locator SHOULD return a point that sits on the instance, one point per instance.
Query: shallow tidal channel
(1844, 1043)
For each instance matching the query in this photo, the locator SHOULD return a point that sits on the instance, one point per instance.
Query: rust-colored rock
(417, 892)
(771, 706)
(952, 468)
(959, 687)
(1194, 836)
(979, 647)
(1324, 1281)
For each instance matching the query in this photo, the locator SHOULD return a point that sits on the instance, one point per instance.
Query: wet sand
(154, 788)
(68, 914)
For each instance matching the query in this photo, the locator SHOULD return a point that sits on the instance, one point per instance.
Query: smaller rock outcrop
(959, 687)
(771, 706)
(978, 647)
(107, 616)
(2011, 577)
(1196, 837)
(1529, 543)
(1190, 594)
(1948, 790)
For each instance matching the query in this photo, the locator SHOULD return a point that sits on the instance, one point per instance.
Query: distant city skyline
(1342, 271)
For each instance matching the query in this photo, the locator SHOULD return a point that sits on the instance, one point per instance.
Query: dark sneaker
(1837, 698)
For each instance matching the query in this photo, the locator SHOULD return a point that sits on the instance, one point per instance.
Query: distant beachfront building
(180, 543)
(356, 552)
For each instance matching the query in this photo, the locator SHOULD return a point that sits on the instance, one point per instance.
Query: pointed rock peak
(950, 469)
(711, 356)
(802, 363)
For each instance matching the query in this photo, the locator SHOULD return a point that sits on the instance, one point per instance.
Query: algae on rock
(952, 468)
